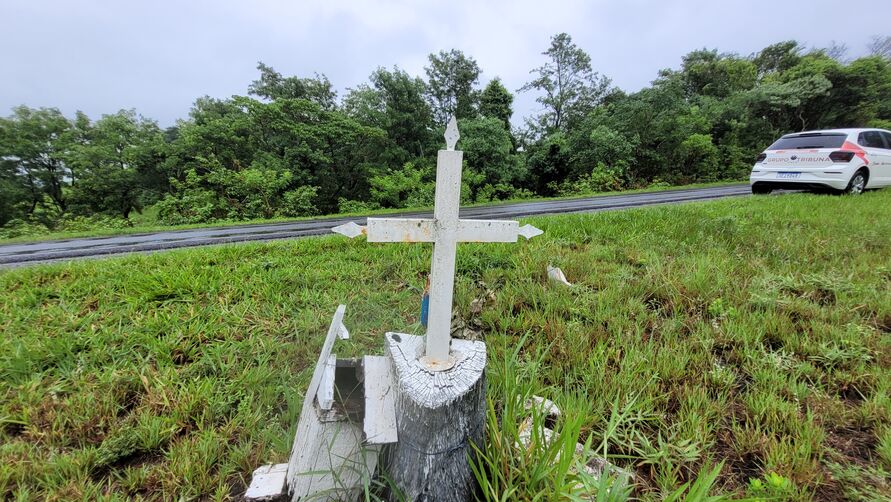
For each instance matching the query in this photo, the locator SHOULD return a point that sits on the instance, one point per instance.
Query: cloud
(100, 56)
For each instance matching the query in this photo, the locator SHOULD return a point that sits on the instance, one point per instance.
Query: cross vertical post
(442, 273)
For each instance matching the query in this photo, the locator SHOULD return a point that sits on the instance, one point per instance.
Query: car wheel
(760, 190)
(857, 184)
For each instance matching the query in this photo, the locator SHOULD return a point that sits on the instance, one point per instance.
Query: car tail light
(761, 157)
(841, 156)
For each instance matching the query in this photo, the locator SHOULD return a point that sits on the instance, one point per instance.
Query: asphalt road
(37, 252)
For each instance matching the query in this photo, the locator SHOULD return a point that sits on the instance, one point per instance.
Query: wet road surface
(37, 252)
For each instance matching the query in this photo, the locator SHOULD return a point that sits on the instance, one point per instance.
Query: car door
(885, 176)
(879, 157)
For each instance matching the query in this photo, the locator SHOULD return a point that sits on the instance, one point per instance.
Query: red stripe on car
(853, 147)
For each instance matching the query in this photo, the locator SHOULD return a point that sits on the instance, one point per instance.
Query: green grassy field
(147, 221)
(745, 338)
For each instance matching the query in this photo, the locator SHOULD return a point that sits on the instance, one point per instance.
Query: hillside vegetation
(746, 339)
(292, 147)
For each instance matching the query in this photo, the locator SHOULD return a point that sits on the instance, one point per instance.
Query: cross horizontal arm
(401, 230)
(487, 231)
(425, 230)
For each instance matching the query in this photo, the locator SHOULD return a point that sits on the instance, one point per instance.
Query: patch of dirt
(824, 297)
(659, 304)
(180, 357)
(739, 468)
(856, 445)
(13, 430)
(772, 342)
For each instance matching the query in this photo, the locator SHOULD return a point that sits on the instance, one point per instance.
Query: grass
(147, 221)
(737, 348)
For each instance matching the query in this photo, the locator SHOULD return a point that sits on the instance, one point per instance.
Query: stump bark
(439, 416)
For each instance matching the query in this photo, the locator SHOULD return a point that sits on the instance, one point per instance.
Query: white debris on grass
(556, 275)
(594, 465)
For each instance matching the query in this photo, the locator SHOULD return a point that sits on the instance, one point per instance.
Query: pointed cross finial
(528, 231)
(451, 134)
(349, 229)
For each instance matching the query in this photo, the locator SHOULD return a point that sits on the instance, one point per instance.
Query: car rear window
(809, 141)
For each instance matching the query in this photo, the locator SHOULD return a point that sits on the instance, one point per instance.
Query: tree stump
(439, 416)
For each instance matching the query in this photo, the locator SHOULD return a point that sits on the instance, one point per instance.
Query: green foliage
(411, 186)
(548, 162)
(272, 85)
(600, 179)
(488, 153)
(496, 101)
(356, 206)
(772, 486)
(451, 78)
(299, 202)
(570, 87)
(395, 103)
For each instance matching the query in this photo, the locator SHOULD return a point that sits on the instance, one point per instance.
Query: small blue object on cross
(425, 304)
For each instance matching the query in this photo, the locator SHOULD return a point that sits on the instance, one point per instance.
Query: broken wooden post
(439, 383)
(348, 414)
(440, 415)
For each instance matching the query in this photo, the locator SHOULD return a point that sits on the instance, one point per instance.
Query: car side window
(887, 138)
(871, 139)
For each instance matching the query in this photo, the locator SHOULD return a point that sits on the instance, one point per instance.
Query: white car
(843, 160)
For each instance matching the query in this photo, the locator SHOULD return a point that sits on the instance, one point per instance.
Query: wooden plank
(401, 230)
(303, 439)
(325, 396)
(380, 404)
(488, 231)
(336, 464)
(267, 483)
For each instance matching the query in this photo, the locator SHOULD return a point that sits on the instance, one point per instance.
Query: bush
(68, 223)
(600, 179)
(356, 206)
(299, 202)
(411, 186)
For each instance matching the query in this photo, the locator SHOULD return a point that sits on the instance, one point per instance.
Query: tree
(117, 162)
(707, 73)
(395, 103)
(488, 152)
(244, 158)
(880, 46)
(34, 150)
(571, 88)
(451, 78)
(272, 85)
(837, 51)
(496, 101)
(778, 57)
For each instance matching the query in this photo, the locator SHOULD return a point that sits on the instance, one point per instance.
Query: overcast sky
(158, 56)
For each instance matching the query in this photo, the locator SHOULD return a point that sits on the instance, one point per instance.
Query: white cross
(445, 231)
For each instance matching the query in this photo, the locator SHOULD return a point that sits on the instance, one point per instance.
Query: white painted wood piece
(328, 459)
(442, 271)
(380, 404)
(350, 229)
(335, 464)
(325, 395)
(451, 134)
(267, 483)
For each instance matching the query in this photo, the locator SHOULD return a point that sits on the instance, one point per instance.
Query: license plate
(788, 175)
